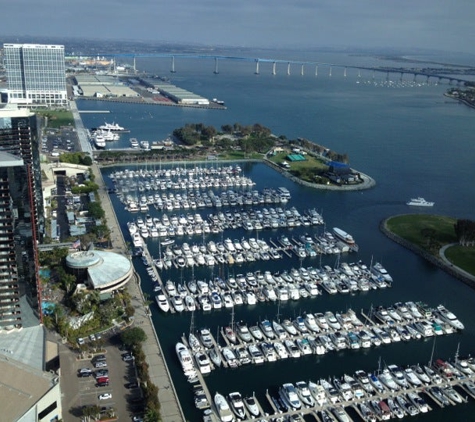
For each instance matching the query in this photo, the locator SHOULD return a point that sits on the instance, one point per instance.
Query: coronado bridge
(290, 66)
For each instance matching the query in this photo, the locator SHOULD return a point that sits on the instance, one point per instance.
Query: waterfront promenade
(158, 370)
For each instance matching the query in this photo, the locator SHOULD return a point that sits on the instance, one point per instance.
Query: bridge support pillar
(316, 70)
(330, 72)
(135, 67)
(288, 68)
(172, 70)
(301, 70)
(273, 69)
(344, 73)
(216, 70)
(257, 67)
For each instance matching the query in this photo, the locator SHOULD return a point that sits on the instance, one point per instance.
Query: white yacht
(222, 406)
(449, 317)
(184, 357)
(203, 362)
(420, 202)
(289, 396)
(134, 144)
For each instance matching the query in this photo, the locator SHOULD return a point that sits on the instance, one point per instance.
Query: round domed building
(100, 270)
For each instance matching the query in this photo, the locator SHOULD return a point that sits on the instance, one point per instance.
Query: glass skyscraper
(36, 74)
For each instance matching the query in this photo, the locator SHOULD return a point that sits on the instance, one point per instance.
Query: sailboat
(229, 332)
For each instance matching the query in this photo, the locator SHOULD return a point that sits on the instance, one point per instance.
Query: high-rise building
(36, 74)
(21, 219)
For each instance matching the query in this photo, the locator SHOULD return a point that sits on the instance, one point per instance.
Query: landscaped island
(303, 160)
(445, 241)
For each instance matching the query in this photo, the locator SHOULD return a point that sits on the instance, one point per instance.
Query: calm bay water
(410, 138)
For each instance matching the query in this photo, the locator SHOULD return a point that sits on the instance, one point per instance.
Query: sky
(445, 25)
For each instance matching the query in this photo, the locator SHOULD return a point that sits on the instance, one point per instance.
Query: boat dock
(94, 111)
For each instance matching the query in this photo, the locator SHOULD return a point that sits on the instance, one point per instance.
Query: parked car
(100, 365)
(105, 396)
(92, 337)
(127, 358)
(102, 373)
(81, 341)
(84, 370)
(102, 384)
(132, 385)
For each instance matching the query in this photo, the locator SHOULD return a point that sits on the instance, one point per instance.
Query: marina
(359, 214)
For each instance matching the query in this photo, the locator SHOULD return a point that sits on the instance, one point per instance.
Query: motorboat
(177, 303)
(292, 348)
(184, 356)
(439, 396)
(398, 376)
(407, 406)
(412, 377)
(203, 362)
(363, 379)
(330, 390)
(256, 354)
(419, 202)
(340, 414)
(190, 303)
(266, 327)
(289, 396)
(311, 323)
(386, 378)
(378, 270)
(230, 357)
(243, 332)
(452, 395)
(367, 413)
(194, 342)
(280, 332)
(318, 393)
(304, 393)
(237, 404)
(206, 338)
(222, 406)
(162, 302)
(449, 317)
(268, 351)
(281, 350)
(251, 405)
(395, 409)
(256, 332)
(344, 236)
(418, 401)
(289, 327)
(332, 321)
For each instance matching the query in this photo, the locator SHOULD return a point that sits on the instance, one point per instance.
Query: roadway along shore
(170, 408)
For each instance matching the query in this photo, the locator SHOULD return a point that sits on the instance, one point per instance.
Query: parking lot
(113, 376)
(58, 141)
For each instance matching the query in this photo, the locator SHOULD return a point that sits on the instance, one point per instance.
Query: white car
(105, 396)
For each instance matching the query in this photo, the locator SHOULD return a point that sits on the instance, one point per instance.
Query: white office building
(36, 75)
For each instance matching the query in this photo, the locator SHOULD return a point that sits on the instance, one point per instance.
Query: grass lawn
(462, 257)
(419, 229)
(239, 155)
(58, 118)
(305, 170)
(431, 232)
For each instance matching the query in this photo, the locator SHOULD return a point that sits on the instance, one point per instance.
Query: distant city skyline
(403, 24)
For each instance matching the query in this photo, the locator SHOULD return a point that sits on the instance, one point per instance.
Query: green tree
(133, 336)
(95, 210)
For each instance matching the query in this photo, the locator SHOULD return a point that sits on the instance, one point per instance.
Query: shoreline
(442, 262)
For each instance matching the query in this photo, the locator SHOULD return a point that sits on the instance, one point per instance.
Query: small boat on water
(419, 202)
(184, 356)
(251, 405)
(342, 235)
(289, 396)
(222, 406)
(237, 405)
(162, 302)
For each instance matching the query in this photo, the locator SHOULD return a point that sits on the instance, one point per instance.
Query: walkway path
(80, 130)
(158, 370)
